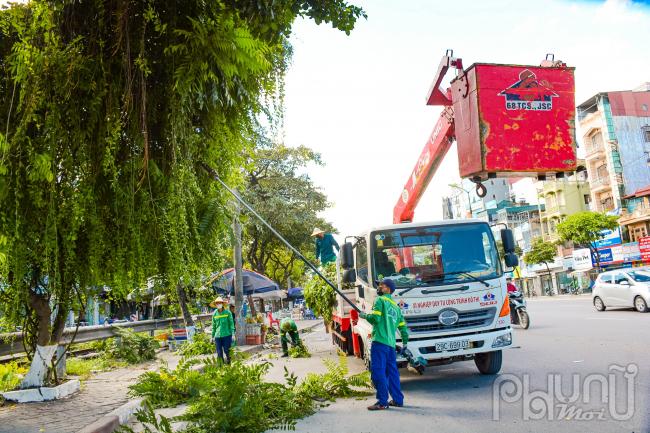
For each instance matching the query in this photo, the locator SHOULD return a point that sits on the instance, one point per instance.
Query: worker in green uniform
(223, 328)
(386, 318)
(288, 329)
(325, 244)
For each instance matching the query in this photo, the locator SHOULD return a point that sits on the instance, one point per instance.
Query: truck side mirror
(347, 256)
(350, 276)
(508, 241)
(511, 260)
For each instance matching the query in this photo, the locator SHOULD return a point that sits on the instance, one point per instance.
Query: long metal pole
(238, 281)
(216, 177)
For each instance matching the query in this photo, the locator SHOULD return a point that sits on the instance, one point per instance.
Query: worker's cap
(219, 300)
(317, 232)
(388, 283)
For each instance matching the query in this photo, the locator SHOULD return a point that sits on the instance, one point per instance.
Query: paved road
(567, 337)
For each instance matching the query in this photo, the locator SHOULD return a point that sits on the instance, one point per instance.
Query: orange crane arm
(436, 147)
(432, 155)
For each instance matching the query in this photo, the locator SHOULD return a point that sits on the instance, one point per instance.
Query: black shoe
(392, 403)
(285, 355)
(377, 406)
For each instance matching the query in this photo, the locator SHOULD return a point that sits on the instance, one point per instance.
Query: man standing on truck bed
(325, 244)
(386, 318)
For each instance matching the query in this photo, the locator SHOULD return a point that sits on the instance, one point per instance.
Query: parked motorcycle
(518, 313)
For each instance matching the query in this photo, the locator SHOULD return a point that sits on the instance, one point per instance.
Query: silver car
(622, 288)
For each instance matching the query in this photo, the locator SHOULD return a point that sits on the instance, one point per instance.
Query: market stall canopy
(295, 293)
(254, 284)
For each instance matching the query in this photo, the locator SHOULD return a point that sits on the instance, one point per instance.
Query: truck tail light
(505, 308)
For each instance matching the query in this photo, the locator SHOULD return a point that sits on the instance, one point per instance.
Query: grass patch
(84, 368)
(11, 374)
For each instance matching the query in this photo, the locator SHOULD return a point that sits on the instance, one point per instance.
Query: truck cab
(451, 289)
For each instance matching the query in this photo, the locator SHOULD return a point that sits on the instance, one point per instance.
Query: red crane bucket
(514, 120)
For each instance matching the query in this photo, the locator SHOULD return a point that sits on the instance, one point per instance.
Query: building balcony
(640, 214)
(596, 152)
(600, 184)
(551, 237)
(554, 210)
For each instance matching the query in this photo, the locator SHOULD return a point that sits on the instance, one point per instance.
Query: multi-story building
(616, 132)
(524, 221)
(635, 216)
(563, 197)
(464, 202)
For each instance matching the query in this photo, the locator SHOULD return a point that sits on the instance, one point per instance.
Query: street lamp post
(469, 201)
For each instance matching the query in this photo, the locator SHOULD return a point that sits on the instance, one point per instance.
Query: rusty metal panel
(515, 119)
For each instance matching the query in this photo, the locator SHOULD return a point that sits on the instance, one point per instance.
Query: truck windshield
(437, 255)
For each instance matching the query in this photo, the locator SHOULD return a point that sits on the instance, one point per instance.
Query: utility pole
(240, 324)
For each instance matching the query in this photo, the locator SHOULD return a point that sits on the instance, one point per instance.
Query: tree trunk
(44, 351)
(251, 304)
(594, 253)
(550, 277)
(187, 316)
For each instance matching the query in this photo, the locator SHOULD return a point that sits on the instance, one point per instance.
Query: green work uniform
(223, 324)
(386, 318)
(288, 327)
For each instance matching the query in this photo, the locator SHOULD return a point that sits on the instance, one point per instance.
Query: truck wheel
(490, 362)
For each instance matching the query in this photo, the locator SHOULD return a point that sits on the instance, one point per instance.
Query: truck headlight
(503, 340)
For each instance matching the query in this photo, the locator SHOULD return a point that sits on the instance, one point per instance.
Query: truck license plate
(452, 345)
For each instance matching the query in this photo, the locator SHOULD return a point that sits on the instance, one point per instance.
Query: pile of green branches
(236, 398)
(201, 344)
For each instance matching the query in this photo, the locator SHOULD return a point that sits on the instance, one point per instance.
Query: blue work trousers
(384, 373)
(223, 347)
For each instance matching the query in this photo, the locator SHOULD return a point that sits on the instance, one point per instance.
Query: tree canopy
(107, 108)
(541, 252)
(279, 189)
(585, 228)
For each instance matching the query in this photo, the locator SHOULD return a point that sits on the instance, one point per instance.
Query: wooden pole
(239, 281)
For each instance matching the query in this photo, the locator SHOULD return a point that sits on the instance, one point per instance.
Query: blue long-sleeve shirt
(325, 248)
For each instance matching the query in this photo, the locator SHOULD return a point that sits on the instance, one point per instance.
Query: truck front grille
(466, 319)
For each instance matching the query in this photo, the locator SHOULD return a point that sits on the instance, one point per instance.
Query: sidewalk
(100, 395)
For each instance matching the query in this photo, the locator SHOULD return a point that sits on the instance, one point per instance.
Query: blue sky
(359, 99)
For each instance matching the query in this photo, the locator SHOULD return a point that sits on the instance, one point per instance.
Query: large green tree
(107, 107)
(279, 188)
(541, 252)
(585, 228)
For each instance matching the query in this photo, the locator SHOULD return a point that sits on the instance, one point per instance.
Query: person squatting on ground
(386, 318)
(288, 328)
(223, 328)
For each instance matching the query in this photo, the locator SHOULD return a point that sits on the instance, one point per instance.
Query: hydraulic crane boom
(434, 152)
(436, 147)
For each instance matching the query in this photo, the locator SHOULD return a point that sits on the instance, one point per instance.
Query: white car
(623, 288)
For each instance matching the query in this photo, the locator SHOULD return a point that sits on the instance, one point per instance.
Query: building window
(587, 198)
(646, 134)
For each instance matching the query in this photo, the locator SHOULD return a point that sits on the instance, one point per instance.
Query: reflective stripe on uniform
(389, 300)
(378, 313)
(401, 324)
(221, 316)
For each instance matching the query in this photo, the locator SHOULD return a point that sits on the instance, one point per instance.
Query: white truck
(451, 288)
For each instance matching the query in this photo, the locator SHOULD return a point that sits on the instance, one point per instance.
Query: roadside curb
(112, 420)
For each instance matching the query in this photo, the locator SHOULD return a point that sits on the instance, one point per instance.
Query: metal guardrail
(12, 343)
